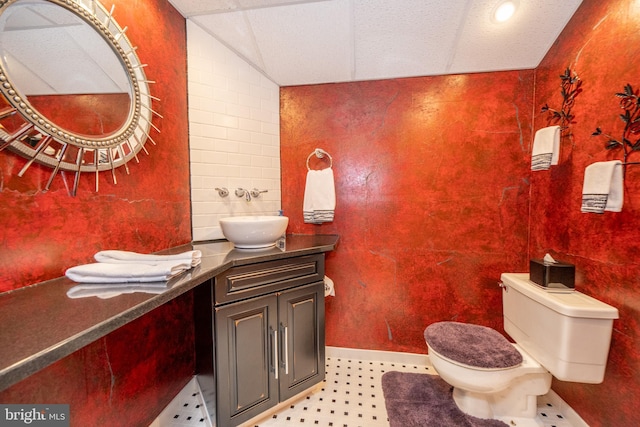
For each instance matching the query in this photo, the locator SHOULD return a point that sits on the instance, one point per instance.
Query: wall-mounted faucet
(241, 192)
(248, 194)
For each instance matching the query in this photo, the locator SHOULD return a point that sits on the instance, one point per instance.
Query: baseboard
(378, 355)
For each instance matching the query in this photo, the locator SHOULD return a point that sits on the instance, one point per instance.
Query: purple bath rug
(421, 400)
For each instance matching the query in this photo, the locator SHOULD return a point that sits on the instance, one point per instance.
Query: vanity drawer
(248, 281)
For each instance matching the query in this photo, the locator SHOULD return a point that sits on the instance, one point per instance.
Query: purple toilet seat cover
(472, 345)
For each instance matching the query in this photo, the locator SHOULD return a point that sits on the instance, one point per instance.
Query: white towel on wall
(125, 257)
(319, 201)
(546, 148)
(603, 188)
(102, 272)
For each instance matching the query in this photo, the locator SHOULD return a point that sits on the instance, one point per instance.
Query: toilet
(564, 334)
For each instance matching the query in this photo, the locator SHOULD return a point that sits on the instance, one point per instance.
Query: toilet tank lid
(572, 304)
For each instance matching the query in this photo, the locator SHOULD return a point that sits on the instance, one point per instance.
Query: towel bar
(319, 153)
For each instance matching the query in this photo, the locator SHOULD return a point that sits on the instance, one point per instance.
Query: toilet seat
(478, 359)
(473, 346)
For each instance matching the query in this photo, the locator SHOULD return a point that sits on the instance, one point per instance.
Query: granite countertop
(41, 324)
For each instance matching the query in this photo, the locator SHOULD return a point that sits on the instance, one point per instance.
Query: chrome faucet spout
(241, 192)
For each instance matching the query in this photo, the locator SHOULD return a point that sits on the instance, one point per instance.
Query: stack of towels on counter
(122, 272)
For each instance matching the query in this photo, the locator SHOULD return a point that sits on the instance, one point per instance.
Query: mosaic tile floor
(351, 396)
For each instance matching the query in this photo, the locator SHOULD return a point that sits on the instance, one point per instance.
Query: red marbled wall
(130, 375)
(602, 45)
(432, 198)
(145, 211)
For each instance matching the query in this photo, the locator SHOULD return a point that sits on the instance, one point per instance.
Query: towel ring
(319, 153)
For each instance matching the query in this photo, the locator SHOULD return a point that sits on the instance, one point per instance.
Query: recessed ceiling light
(505, 10)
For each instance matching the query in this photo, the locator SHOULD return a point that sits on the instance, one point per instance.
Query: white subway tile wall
(234, 134)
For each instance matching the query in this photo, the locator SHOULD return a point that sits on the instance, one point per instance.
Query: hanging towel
(103, 272)
(603, 188)
(125, 257)
(546, 148)
(319, 197)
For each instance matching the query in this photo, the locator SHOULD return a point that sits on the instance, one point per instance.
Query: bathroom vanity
(264, 308)
(260, 337)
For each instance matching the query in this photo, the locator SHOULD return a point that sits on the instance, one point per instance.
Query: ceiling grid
(296, 42)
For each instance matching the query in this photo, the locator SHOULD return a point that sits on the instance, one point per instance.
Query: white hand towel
(105, 291)
(603, 188)
(125, 257)
(319, 197)
(102, 272)
(546, 148)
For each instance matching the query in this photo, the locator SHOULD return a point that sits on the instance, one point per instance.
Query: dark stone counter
(41, 324)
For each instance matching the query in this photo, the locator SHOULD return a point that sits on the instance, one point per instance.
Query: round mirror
(76, 94)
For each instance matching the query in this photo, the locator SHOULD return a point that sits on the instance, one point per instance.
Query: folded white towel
(125, 257)
(603, 188)
(102, 272)
(546, 148)
(105, 291)
(319, 197)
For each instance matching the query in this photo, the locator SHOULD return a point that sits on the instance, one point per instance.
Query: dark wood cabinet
(301, 325)
(245, 343)
(267, 333)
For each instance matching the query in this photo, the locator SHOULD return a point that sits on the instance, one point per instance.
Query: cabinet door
(301, 325)
(246, 359)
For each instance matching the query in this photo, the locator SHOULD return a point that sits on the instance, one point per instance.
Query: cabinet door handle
(275, 352)
(286, 350)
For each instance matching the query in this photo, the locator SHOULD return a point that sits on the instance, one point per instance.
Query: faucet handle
(256, 193)
(222, 192)
(240, 192)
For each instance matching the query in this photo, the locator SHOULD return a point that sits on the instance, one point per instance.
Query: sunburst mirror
(76, 95)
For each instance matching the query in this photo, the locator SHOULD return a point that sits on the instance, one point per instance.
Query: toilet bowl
(494, 392)
(562, 335)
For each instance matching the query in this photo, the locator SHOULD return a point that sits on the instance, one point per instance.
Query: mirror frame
(109, 152)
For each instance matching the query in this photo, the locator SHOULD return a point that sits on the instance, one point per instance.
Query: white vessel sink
(253, 232)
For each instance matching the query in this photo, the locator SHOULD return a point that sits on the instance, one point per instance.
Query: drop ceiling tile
(233, 30)
(414, 39)
(519, 43)
(305, 43)
(190, 8)
(255, 4)
(199, 7)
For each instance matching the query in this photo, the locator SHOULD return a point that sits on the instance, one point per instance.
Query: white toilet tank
(567, 333)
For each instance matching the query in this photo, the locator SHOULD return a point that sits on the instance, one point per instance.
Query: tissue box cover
(552, 275)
